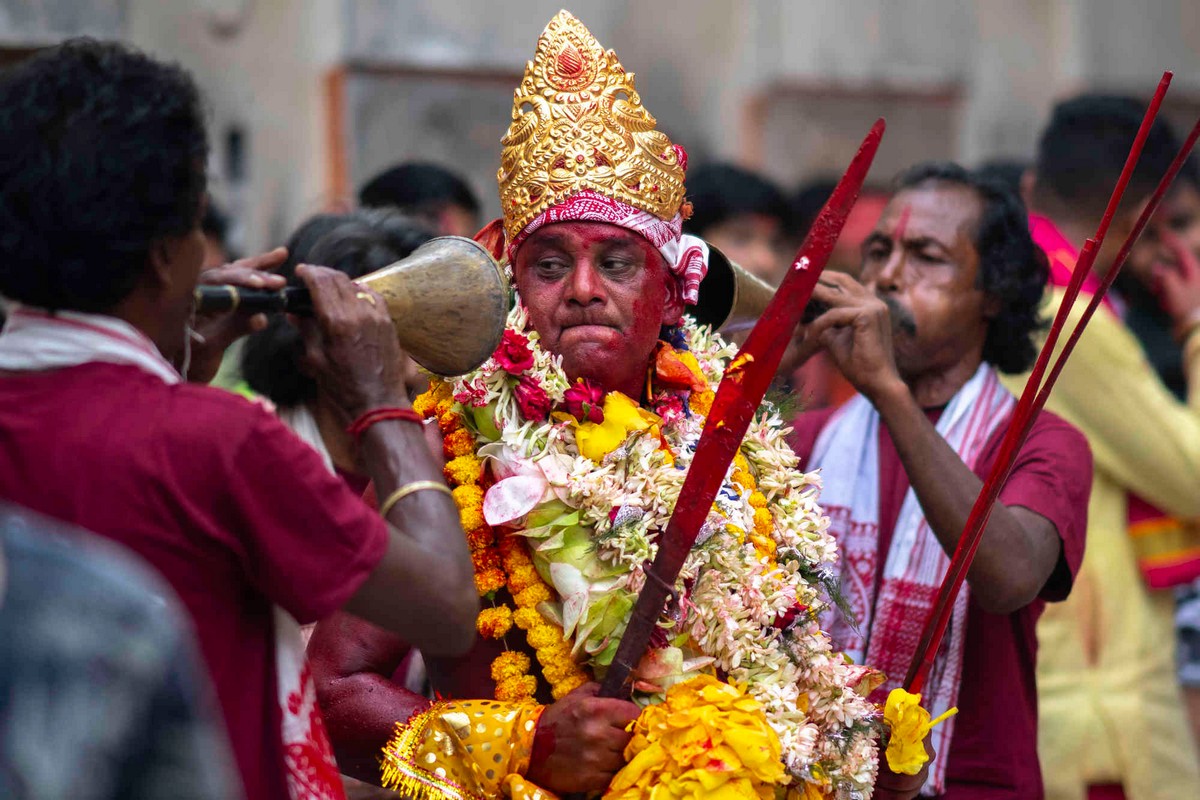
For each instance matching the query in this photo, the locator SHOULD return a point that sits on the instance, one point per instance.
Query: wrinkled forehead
(576, 237)
(945, 212)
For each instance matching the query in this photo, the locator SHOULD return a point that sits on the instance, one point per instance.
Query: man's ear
(161, 260)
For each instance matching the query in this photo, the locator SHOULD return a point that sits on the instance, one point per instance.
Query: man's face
(755, 242)
(598, 295)
(456, 221)
(921, 260)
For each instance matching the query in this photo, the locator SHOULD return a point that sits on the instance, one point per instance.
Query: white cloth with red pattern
(891, 615)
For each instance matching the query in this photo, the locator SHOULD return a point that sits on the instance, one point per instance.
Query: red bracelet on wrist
(366, 420)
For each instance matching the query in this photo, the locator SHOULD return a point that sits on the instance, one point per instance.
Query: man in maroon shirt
(102, 189)
(951, 283)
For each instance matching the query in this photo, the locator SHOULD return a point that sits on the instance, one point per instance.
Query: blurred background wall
(310, 97)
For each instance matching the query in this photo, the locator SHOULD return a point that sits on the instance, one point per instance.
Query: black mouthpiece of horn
(293, 299)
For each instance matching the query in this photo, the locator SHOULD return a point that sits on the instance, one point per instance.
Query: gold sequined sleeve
(464, 750)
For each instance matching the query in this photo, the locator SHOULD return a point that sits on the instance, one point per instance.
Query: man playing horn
(566, 451)
(949, 298)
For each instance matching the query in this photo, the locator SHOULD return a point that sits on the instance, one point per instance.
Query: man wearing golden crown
(566, 452)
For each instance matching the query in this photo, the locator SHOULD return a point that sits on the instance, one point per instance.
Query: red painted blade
(738, 397)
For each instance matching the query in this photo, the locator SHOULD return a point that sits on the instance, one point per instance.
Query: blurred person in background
(102, 693)
(102, 191)
(948, 301)
(744, 215)
(430, 193)
(1112, 716)
(1010, 172)
(272, 360)
(1178, 223)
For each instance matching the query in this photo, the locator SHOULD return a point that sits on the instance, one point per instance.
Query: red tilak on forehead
(902, 223)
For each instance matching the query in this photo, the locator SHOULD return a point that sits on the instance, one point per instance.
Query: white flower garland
(735, 597)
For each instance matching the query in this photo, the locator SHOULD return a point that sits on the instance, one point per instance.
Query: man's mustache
(902, 319)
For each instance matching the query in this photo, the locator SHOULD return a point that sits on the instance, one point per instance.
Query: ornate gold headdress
(578, 124)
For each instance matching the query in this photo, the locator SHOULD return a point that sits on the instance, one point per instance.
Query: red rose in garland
(585, 402)
(532, 399)
(514, 354)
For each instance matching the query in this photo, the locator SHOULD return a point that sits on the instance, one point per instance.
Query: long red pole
(1034, 397)
(739, 395)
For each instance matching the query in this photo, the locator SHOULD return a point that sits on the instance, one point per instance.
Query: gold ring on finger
(365, 296)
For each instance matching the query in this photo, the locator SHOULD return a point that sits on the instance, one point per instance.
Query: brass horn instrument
(731, 299)
(448, 301)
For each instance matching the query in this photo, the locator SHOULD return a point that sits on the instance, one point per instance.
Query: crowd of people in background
(159, 667)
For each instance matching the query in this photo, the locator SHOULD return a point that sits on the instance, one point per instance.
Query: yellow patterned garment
(1110, 709)
(464, 750)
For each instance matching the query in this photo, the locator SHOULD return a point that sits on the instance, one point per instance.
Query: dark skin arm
(353, 663)
(1019, 549)
(423, 589)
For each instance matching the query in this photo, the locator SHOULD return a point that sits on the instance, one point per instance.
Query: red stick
(738, 397)
(1033, 398)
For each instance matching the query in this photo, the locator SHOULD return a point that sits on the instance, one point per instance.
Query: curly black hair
(1012, 268)
(356, 244)
(102, 153)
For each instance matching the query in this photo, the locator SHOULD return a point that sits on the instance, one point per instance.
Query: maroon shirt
(993, 753)
(231, 508)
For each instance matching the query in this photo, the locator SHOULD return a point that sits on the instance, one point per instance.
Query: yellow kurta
(1110, 708)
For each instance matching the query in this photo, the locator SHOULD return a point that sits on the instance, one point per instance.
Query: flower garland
(579, 484)
(498, 565)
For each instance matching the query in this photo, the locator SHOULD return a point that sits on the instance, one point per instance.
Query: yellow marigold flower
(736, 531)
(909, 725)
(512, 547)
(706, 739)
(538, 593)
(425, 404)
(509, 664)
(701, 402)
(458, 443)
(758, 499)
(488, 582)
(557, 654)
(527, 618)
(740, 462)
(764, 523)
(516, 690)
(557, 671)
(480, 538)
(565, 687)
(521, 577)
(743, 479)
(447, 419)
(463, 469)
(470, 506)
(543, 636)
(494, 623)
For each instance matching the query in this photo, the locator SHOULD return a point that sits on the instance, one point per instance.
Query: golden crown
(577, 124)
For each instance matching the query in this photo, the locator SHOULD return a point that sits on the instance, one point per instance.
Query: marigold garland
(500, 565)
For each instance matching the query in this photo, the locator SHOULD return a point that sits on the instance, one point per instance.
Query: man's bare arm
(353, 663)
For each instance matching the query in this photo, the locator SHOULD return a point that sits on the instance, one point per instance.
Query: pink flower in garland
(532, 398)
(585, 402)
(514, 353)
(669, 407)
